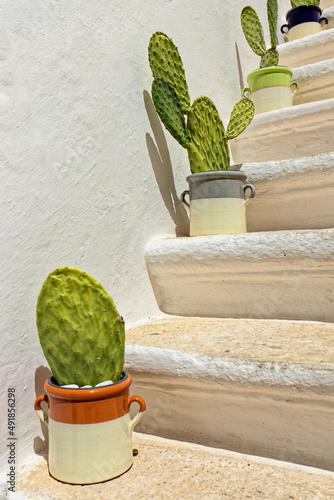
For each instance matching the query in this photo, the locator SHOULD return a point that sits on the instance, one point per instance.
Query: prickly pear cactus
(253, 31)
(203, 134)
(298, 3)
(169, 109)
(272, 9)
(165, 62)
(269, 58)
(208, 149)
(241, 116)
(80, 330)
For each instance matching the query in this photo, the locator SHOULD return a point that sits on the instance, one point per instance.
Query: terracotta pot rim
(89, 394)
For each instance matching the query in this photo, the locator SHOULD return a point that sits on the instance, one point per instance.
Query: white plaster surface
(283, 275)
(294, 132)
(88, 174)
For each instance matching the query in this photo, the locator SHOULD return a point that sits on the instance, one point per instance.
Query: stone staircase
(239, 369)
(244, 361)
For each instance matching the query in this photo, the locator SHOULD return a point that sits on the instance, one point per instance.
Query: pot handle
(252, 193)
(41, 413)
(282, 29)
(296, 85)
(244, 91)
(323, 19)
(183, 197)
(136, 418)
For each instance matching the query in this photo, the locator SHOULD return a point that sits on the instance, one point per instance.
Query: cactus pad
(241, 116)
(80, 330)
(269, 58)
(298, 3)
(169, 109)
(208, 149)
(272, 20)
(165, 62)
(253, 31)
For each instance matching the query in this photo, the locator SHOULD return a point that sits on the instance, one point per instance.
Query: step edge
(172, 362)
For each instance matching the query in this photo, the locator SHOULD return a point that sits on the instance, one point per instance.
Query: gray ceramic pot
(217, 202)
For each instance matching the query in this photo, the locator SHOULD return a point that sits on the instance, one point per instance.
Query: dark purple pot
(303, 14)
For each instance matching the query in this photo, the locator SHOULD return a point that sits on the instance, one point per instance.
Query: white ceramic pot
(90, 430)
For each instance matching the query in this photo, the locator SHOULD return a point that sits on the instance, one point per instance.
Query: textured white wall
(88, 175)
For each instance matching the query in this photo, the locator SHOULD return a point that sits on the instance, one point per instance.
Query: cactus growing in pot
(303, 19)
(80, 330)
(270, 85)
(199, 129)
(82, 336)
(202, 133)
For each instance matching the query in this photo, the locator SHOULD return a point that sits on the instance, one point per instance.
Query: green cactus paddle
(166, 63)
(298, 3)
(80, 330)
(203, 134)
(253, 31)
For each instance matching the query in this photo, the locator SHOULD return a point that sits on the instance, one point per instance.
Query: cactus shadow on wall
(162, 168)
(41, 445)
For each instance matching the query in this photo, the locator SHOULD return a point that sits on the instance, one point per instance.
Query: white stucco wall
(88, 175)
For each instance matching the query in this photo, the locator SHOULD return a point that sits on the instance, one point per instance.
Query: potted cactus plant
(216, 191)
(303, 19)
(82, 337)
(270, 85)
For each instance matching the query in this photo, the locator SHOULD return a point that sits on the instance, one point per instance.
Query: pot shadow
(41, 445)
(162, 168)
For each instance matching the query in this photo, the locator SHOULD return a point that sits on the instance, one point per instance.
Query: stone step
(308, 50)
(253, 386)
(316, 82)
(291, 194)
(329, 13)
(278, 274)
(165, 469)
(325, 4)
(294, 132)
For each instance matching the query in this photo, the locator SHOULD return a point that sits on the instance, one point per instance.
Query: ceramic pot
(303, 21)
(217, 202)
(90, 430)
(270, 88)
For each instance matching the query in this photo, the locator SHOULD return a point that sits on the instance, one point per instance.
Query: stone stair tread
(298, 131)
(325, 4)
(264, 275)
(307, 50)
(309, 344)
(167, 469)
(291, 194)
(316, 81)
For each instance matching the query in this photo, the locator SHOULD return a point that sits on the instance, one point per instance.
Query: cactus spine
(80, 330)
(202, 133)
(253, 31)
